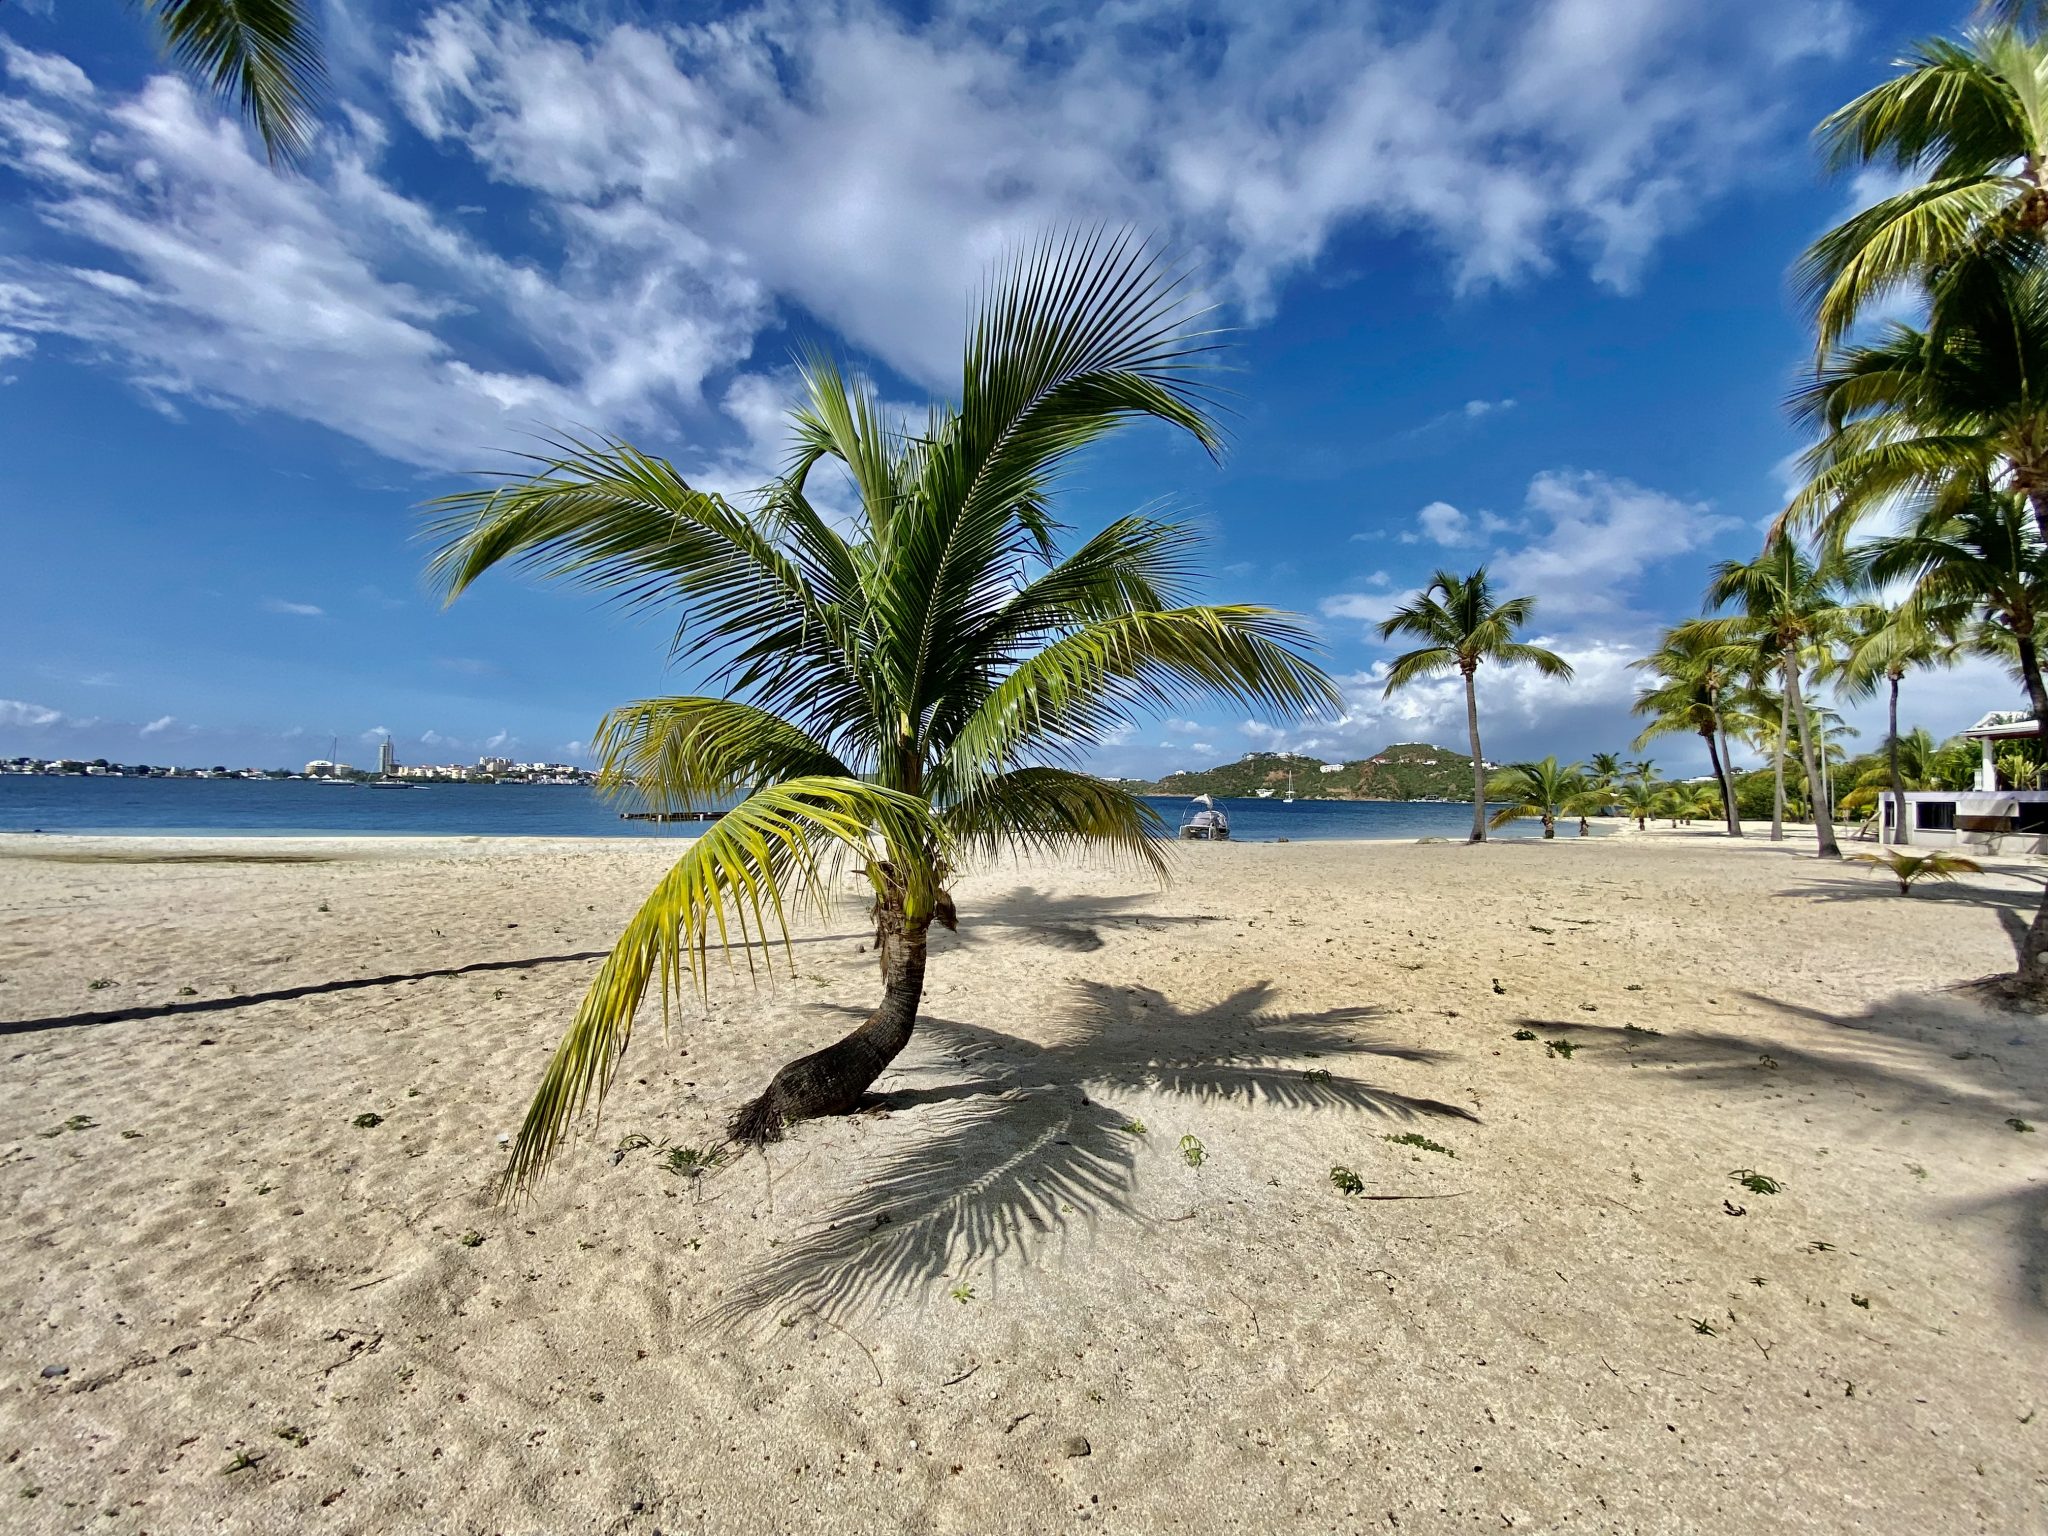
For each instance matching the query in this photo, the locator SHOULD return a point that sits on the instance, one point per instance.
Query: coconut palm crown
(1970, 116)
(1462, 624)
(904, 692)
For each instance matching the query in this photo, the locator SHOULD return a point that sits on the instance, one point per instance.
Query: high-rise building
(387, 760)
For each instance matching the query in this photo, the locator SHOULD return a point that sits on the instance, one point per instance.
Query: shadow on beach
(1018, 1145)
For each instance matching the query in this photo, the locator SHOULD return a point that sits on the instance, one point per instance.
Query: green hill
(1409, 770)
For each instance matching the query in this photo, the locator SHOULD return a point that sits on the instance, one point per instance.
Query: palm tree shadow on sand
(1023, 1140)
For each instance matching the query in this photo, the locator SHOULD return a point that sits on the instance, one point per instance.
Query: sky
(1505, 280)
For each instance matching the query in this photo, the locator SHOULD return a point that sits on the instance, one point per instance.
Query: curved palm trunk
(1478, 770)
(833, 1081)
(2030, 673)
(1728, 786)
(1778, 768)
(2033, 976)
(1899, 833)
(1722, 779)
(1823, 820)
(1549, 825)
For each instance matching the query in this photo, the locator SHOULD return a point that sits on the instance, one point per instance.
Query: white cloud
(1599, 534)
(160, 724)
(1201, 746)
(680, 189)
(501, 738)
(1442, 523)
(19, 712)
(300, 610)
(1372, 607)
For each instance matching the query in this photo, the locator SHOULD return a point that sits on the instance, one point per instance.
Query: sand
(227, 1306)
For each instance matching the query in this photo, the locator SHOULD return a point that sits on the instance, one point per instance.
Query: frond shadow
(1072, 923)
(1024, 1142)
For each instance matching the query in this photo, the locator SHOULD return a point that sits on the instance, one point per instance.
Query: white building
(2008, 819)
(387, 759)
(321, 768)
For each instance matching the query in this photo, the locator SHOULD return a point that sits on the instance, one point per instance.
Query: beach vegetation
(1418, 1140)
(1542, 790)
(1346, 1181)
(902, 691)
(260, 58)
(1910, 868)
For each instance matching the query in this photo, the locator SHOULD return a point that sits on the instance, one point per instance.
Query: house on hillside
(2009, 818)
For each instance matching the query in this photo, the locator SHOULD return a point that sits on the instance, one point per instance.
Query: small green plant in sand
(1525, 1034)
(1562, 1048)
(1347, 1182)
(1701, 1325)
(291, 1434)
(1133, 1127)
(243, 1462)
(188, 991)
(2017, 1123)
(1192, 1152)
(99, 983)
(1756, 1183)
(1907, 868)
(1317, 1075)
(367, 1121)
(692, 1162)
(1417, 1139)
(1637, 1029)
(962, 1293)
(471, 1239)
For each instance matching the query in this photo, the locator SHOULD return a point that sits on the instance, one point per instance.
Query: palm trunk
(1478, 769)
(1549, 825)
(833, 1081)
(1823, 820)
(1778, 768)
(1899, 834)
(2033, 976)
(2030, 672)
(1724, 773)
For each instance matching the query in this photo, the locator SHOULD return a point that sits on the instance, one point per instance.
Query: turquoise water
(69, 803)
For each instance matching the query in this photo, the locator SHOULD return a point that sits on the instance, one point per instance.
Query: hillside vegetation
(1409, 770)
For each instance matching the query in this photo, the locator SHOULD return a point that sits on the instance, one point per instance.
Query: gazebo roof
(2005, 722)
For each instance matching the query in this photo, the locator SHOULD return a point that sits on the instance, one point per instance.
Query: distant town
(486, 770)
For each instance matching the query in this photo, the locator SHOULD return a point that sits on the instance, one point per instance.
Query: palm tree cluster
(1921, 530)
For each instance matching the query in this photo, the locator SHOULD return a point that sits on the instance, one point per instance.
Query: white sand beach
(992, 1304)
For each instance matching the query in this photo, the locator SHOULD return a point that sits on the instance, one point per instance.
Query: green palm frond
(1052, 811)
(690, 753)
(263, 56)
(735, 886)
(1464, 625)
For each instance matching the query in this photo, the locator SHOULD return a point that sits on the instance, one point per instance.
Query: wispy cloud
(301, 610)
(157, 726)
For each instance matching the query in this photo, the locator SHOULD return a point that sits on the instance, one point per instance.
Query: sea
(72, 803)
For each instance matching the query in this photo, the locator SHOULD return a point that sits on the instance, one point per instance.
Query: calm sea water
(68, 803)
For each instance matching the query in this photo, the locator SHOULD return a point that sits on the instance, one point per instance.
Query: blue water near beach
(282, 807)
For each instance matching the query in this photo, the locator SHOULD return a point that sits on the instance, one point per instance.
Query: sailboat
(1290, 786)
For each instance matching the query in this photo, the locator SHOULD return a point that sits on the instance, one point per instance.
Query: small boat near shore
(670, 815)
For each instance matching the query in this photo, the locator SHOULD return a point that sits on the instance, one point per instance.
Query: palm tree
(1606, 769)
(1886, 643)
(1976, 551)
(1971, 117)
(1789, 601)
(1540, 789)
(1639, 799)
(1694, 669)
(1462, 626)
(903, 693)
(261, 57)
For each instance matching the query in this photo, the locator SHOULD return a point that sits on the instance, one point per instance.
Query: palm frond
(263, 56)
(736, 882)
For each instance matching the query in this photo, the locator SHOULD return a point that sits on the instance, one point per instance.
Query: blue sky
(1508, 283)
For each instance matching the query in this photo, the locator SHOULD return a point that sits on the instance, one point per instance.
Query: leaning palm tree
(1970, 120)
(1694, 675)
(1462, 625)
(1790, 602)
(906, 692)
(1639, 798)
(261, 57)
(1542, 790)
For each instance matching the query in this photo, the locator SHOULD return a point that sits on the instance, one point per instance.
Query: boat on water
(1204, 822)
(1290, 788)
(391, 784)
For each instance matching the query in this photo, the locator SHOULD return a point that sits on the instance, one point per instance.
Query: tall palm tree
(1605, 769)
(904, 693)
(1971, 117)
(1541, 789)
(1885, 643)
(1789, 602)
(1694, 672)
(1462, 625)
(261, 57)
(1639, 799)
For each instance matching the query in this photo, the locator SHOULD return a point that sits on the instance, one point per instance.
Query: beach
(1741, 1234)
